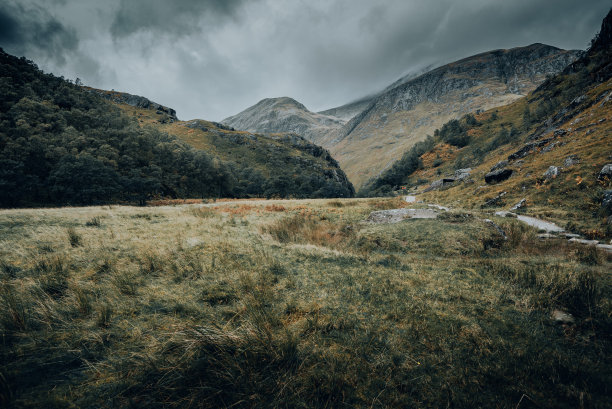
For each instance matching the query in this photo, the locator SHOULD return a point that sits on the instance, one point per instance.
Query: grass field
(296, 304)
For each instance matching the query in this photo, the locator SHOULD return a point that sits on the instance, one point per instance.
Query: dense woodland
(60, 144)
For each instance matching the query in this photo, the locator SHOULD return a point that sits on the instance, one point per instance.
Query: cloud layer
(213, 58)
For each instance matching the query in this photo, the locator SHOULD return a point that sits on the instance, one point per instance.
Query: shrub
(74, 238)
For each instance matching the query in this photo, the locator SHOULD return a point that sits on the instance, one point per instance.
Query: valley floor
(297, 303)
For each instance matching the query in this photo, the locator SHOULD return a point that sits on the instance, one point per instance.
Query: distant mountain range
(368, 135)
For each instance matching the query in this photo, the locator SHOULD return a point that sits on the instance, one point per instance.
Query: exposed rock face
(498, 175)
(274, 115)
(135, 101)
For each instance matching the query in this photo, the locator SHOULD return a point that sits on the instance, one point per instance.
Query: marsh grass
(305, 307)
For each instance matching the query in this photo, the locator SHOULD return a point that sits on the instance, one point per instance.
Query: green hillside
(62, 144)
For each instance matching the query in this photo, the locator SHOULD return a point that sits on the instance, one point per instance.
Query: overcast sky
(213, 58)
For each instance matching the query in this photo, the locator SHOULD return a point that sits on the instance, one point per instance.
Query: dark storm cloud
(213, 58)
(178, 17)
(31, 29)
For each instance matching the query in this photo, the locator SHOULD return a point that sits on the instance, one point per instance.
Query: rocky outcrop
(498, 176)
(135, 101)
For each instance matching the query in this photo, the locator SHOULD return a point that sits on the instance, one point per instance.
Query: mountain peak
(283, 114)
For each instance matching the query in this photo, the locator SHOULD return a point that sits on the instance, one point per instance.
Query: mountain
(369, 134)
(408, 112)
(61, 143)
(549, 150)
(273, 115)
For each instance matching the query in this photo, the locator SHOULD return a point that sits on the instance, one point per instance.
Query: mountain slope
(552, 146)
(273, 115)
(257, 159)
(405, 114)
(61, 143)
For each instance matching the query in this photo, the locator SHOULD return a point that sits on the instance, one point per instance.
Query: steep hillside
(61, 143)
(550, 148)
(279, 164)
(405, 114)
(273, 115)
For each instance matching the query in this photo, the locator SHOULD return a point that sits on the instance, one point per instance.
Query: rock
(528, 148)
(560, 132)
(503, 213)
(498, 175)
(440, 183)
(462, 174)
(545, 236)
(550, 147)
(605, 247)
(583, 241)
(495, 201)
(571, 235)
(521, 204)
(605, 172)
(397, 215)
(499, 165)
(571, 161)
(552, 172)
(606, 202)
(411, 199)
(562, 317)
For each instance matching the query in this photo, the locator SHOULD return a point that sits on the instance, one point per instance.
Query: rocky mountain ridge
(284, 114)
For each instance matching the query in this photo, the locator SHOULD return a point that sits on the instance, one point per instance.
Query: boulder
(571, 161)
(462, 174)
(498, 176)
(562, 317)
(605, 172)
(440, 183)
(552, 172)
(521, 204)
(499, 165)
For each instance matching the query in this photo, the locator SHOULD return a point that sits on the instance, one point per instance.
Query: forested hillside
(63, 144)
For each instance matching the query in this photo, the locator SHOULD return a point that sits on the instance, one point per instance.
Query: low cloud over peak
(213, 58)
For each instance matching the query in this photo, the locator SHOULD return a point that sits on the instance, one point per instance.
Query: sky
(210, 59)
